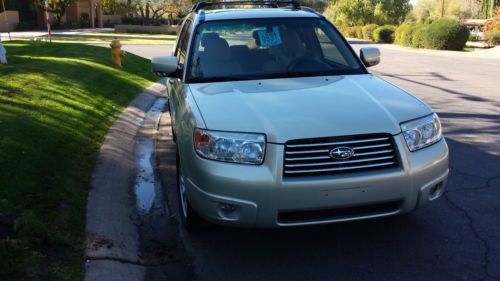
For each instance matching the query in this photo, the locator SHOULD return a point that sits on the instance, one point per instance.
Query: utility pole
(442, 10)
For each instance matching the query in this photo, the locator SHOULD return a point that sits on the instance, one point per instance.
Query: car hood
(298, 108)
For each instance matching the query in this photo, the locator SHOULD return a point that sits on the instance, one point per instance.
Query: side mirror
(165, 66)
(370, 56)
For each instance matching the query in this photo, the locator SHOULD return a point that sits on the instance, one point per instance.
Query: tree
(319, 5)
(56, 7)
(362, 12)
(391, 11)
(115, 7)
(152, 11)
(488, 8)
(430, 10)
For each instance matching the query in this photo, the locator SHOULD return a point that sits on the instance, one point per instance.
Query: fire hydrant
(116, 52)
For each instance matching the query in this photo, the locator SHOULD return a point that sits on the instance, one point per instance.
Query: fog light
(227, 208)
(436, 191)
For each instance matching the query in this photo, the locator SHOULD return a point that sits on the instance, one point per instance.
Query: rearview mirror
(165, 66)
(370, 56)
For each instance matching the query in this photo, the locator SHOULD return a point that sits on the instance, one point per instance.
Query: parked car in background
(278, 123)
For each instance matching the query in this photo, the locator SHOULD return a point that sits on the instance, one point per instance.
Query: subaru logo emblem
(341, 153)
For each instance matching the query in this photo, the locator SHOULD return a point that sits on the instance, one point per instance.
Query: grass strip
(57, 102)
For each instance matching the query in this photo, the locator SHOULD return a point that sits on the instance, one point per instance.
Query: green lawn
(57, 102)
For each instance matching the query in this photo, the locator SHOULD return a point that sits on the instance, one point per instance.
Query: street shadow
(460, 94)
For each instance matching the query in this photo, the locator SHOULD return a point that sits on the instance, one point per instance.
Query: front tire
(189, 218)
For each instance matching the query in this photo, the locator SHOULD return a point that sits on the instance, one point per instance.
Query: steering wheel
(307, 63)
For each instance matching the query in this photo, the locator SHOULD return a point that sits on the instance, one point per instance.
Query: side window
(182, 45)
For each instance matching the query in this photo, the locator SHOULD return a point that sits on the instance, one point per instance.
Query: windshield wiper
(223, 79)
(298, 74)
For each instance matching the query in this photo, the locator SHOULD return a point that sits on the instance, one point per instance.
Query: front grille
(339, 213)
(311, 157)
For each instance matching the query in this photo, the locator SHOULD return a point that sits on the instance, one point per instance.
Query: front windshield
(269, 48)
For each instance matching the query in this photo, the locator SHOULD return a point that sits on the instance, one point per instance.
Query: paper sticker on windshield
(269, 38)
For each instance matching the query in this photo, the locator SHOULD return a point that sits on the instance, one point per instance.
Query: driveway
(455, 238)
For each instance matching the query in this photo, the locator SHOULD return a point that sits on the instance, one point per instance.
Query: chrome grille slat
(309, 151)
(335, 143)
(308, 158)
(340, 169)
(338, 162)
(311, 157)
(371, 146)
(373, 152)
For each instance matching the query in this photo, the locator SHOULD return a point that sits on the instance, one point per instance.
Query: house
(22, 11)
(84, 8)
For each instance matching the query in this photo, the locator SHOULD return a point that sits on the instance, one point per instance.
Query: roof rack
(274, 4)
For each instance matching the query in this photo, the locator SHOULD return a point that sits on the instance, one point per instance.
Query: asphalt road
(455, 238)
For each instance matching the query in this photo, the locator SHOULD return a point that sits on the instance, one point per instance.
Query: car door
(175, 85)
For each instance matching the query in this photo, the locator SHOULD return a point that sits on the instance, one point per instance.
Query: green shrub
(384, 34)
(493, 38)
(400, 33)
(408, 35)
(368, 31)
(417, 36)
(352, 31)
(359, 31)
(446, 34)
(348, 32)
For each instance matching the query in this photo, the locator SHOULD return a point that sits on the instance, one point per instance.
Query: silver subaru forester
(278, 123)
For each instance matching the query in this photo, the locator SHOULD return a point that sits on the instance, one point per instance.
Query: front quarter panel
(186, 115)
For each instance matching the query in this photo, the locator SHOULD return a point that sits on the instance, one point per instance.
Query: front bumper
(258, 196)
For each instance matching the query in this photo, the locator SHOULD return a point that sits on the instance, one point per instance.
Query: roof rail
(270, 3)
(311, 10)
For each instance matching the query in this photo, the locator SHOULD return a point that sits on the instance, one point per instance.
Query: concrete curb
(112, 239)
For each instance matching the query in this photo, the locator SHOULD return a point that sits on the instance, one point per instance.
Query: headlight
(230, 147)
(422, 132)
